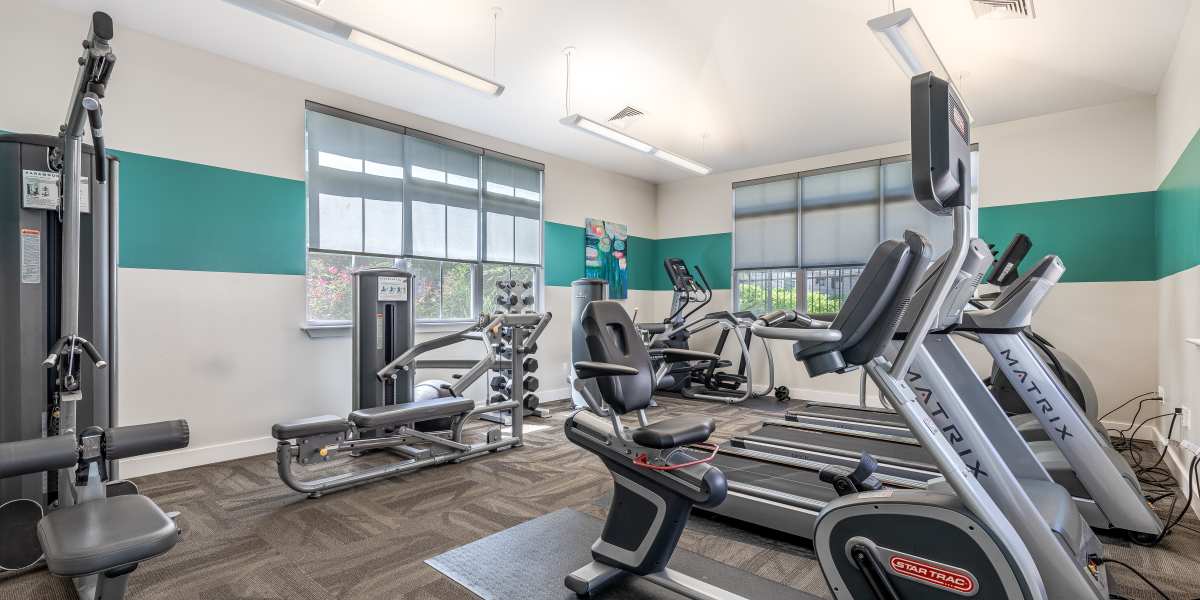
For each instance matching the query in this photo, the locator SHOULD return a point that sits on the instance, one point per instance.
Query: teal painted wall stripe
(714, 254)
(642, 263)
(187, 216)
(190, 217)
(1105, 238)
(563, 252)
(564, 257)
(1177, 226)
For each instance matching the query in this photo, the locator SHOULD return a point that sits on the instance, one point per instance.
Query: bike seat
(674, 432)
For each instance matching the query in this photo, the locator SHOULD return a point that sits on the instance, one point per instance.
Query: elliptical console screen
(681, 277)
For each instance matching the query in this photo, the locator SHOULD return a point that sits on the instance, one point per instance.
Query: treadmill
(1003, 274)
(1105, 489)
(779, 485)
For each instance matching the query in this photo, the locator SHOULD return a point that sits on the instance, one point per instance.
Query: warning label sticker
(31, 256)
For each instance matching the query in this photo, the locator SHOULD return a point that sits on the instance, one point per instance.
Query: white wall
(1179, 294)
(236, 360)
(1092, 151)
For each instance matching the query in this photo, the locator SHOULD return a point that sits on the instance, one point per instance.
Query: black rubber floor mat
(529, 562)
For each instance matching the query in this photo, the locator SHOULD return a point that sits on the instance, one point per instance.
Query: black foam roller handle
(136, 440)
(41, 454)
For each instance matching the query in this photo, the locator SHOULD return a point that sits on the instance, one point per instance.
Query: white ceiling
(730, 84)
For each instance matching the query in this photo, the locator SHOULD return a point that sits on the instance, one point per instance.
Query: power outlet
(1162, 394)
(1185, 419)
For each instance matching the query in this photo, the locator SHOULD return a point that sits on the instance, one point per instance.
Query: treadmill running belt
(884, 451)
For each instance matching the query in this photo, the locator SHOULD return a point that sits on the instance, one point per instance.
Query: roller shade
(901, 211)
(443, 198)
(355, 186)
(764, 223)
(839, 216)
(512, 205)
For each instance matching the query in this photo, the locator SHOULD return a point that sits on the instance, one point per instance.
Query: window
(384, 195)
(807, 235)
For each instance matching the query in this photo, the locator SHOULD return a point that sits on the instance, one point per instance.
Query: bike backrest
(612, 338)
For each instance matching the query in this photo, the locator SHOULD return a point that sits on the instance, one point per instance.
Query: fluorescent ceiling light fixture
(581, 122)
(905, 40)
(305, 17)
(680, 161)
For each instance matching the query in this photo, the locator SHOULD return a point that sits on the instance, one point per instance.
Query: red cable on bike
(643, 460)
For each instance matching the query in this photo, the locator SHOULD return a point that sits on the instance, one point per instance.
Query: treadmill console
(681, 277)
(1004, 270)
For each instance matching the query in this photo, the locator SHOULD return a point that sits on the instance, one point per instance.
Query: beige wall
(1093, 151)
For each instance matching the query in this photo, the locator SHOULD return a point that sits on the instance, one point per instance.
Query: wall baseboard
(195, 456)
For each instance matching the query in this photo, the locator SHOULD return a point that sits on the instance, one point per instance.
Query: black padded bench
(375, 418)
(309, 426)
(411, 412)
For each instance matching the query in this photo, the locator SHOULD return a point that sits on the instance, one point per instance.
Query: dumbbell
(530, 364)
(504, 285)
(527, 299)
(498, 383)
(530, 401)
(497, 399)
(530, 383)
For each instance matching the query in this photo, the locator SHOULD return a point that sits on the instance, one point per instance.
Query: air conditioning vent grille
(1003, 9)
(626, 113)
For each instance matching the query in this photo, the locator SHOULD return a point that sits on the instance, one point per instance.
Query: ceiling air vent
(1003, 9)
(625, 117)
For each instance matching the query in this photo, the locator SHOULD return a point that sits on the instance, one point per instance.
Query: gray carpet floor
(247, 536)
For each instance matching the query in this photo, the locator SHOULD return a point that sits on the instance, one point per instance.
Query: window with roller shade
(800, 240)
(453, 214)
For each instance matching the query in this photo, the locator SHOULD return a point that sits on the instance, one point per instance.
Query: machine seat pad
(674, 432)
(98, 536)
(309, 426)
(411, 412)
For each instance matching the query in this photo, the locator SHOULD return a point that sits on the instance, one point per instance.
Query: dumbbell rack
(514, 376)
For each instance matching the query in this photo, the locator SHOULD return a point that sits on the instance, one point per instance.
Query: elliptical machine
(707, 376)
(982, 532)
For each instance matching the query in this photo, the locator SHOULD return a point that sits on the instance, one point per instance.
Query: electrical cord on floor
(1113, 561)
(1173, 520)
(1126, 403)
(1126, 439)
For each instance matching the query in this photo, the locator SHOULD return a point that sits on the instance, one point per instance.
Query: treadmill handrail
(797, 334)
